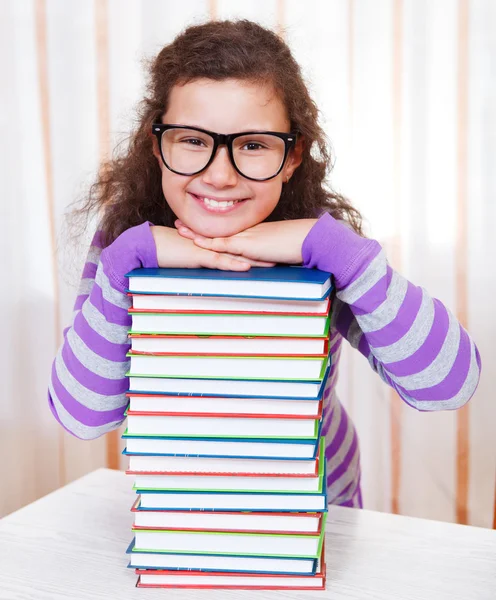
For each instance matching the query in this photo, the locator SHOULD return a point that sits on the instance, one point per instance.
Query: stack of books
(227, 372)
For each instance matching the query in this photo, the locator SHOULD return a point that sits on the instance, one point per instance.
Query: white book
(179, 303)
(191, 500)
(215, 405)
(177, 344)
(304, 546)
(246, 367)
(179, 580)
(226, 387)
(234, 521)
(224, 324)
(194, 464)
(221, 426)
(280, 282)
(226, 447)
(158, 560)
(227, 483)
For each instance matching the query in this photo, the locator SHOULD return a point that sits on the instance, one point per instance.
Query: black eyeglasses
(256, 155)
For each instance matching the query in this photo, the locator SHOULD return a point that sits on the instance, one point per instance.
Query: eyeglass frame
(224, 139)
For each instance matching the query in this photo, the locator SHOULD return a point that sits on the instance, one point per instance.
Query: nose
(221, 172)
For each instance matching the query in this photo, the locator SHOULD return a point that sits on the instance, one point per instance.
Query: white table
(71, 544)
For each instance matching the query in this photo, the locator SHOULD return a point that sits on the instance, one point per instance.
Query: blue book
(239, 388)
(231, 543)
(215, 447)
(279, 282)
(150, 559)
(254, 501)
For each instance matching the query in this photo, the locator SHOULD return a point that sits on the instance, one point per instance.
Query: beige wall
(408, 100)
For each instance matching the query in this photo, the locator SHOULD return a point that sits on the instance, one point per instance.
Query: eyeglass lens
(257, 155)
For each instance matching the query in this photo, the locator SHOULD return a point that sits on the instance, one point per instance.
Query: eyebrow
(252, 130)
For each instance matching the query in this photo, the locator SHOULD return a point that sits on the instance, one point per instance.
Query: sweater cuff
(333, 247)
(133, 249)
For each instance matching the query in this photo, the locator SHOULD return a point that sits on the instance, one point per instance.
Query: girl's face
(228, 106)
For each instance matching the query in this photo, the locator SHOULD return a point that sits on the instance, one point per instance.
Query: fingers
(215, 260)
(184, 231)
(220, 244)
(252, 262)
(228, 245)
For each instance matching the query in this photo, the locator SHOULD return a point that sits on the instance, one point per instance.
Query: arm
(411, 340)
(88, 383)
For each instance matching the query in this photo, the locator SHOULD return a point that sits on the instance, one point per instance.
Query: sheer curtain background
(407, 91)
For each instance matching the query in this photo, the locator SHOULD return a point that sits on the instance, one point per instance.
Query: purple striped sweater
(411, 340)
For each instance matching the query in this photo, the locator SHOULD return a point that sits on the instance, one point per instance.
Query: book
(217, 426)
(271, 522)
(240, 447)
(283, 483)
(227, 387)
(210, 405)
(213, 563)
(227, 372)
(222, 542)
(233, 501)
(182, 303)
(195, 464)
(228, 580)
(232, 581)
(217, 344)
(229, 324)
(226, 482)
(280, 282)
(246, 367)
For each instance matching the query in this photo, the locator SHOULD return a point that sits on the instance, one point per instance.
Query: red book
(302, 523)
(158, 344)
(155, 578)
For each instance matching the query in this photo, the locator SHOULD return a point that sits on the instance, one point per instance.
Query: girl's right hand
(175, 251)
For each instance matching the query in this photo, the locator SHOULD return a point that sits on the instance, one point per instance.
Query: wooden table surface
(71, 544)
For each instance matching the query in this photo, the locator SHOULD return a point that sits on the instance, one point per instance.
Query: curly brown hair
(128, 189)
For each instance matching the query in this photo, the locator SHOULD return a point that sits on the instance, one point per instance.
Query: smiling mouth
(217, 205)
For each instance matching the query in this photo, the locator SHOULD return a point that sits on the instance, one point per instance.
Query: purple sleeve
(412, 340)
(88, 383)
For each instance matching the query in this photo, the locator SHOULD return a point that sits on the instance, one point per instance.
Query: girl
(187, 194)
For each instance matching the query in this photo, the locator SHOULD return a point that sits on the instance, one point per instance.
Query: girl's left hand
(277, 241)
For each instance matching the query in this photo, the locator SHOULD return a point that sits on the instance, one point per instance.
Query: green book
(279, 484)
(229, 324)
(220, 426)
(288, 368)
(231, 543)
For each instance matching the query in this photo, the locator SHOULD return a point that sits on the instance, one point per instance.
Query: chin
(219, 227)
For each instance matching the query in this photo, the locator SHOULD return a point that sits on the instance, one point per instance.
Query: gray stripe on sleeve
(110, 331)
(86, 397)
(111, 294)
(373, 273)
(85, 432)
(386, 313)
(458, 399)
(439, 368)
(93, 362)
(413, 338)
(85, 286)
(93, 255)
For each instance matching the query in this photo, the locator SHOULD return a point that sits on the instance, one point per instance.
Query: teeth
(221, 204)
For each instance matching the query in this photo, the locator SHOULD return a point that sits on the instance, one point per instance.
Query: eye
(193, 141)
(253, 146)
